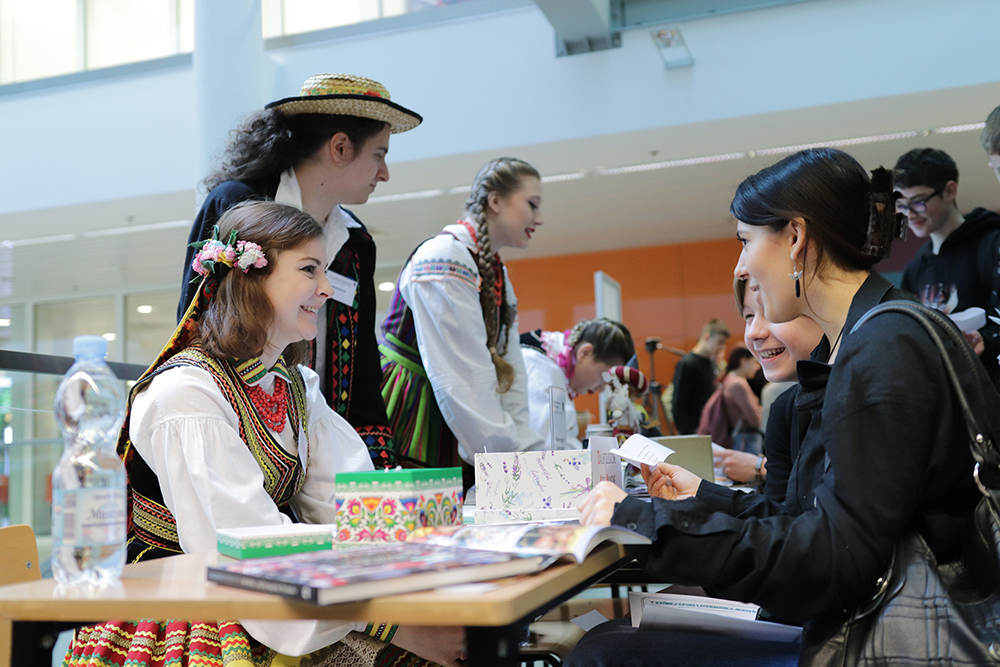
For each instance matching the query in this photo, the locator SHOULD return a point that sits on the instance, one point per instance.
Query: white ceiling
(593, 213)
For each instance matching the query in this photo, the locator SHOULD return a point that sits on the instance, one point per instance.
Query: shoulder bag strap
(981, 443)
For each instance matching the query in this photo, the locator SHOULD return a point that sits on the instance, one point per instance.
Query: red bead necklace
(271, 409)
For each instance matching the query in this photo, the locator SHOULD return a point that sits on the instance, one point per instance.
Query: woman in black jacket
(883, 448)
(318, 151)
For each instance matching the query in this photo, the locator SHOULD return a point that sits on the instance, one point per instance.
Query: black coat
(966, 266)
(352, 381)
(883, 450)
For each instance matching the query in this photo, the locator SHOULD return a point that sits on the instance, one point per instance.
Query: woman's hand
(738, 466)
(976, 341)
(670, 482)
(596, 509)
(442, 645)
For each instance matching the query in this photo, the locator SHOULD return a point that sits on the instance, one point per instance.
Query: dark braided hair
(502, 176)
(612, 341)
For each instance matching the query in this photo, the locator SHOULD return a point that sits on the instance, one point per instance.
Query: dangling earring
(796, 275)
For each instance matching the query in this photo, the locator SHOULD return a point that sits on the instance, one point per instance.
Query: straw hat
(349, 96)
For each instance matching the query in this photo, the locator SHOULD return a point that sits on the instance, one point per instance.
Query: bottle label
(88, 517)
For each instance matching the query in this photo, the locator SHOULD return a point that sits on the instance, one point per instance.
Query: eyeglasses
(917, 205)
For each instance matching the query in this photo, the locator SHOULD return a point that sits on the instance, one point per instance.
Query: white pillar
(228, 72)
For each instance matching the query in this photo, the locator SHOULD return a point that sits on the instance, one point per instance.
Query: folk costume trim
(342, 338)
(149, 521)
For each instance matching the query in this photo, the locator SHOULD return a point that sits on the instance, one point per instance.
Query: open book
(692, 613)
(554, 539)
(434, 557)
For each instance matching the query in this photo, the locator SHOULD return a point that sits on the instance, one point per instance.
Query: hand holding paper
(639, 449)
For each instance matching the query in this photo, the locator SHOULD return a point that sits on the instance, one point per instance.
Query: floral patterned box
(530, 484)
(387, 505)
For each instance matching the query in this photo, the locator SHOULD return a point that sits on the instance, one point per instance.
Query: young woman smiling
(226, 430)
(778, 348)
(884, 448)
(454, 378)
(320, 151)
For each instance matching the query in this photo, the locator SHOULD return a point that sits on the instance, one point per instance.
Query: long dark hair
(268, 142)
(846, 211)
(236, 322)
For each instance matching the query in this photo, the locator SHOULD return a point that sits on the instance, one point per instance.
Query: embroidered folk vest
(152, 530)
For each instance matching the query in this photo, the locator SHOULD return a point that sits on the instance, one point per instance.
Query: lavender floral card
(516, 482)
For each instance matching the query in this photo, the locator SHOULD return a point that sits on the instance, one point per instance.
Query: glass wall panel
(46, 38)
(126, 31)
(308, 15)
(185, 14)
(393, 7)
(150, 319)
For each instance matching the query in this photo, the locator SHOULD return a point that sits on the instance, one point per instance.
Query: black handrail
(32, 362)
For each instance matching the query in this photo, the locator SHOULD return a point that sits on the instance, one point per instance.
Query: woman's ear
(796, 230)
(493, 202)
(583, 350)
(339, 148)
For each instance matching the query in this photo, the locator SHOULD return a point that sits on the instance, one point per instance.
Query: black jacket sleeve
(223, 197)
(781, 429)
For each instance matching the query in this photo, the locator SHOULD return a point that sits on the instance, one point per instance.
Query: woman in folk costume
(575, 361)
(454, 379)
(318, 152)
(225, 430)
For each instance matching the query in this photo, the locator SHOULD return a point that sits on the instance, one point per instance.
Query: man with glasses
(957, 269)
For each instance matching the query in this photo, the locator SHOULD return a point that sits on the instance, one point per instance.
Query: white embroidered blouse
(188, 434)
(440, 284)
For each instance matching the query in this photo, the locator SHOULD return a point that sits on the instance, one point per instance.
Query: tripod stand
(652, 402)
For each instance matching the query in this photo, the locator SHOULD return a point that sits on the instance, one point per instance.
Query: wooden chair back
(18, 555)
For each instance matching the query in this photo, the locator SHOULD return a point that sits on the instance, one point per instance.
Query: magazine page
(691, 613)
(552, 538)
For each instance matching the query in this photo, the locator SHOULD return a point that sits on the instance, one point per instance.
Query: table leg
(494, 646)
(6, 633)
(35, 640)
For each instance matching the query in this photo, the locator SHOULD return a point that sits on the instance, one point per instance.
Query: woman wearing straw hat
(318, 151)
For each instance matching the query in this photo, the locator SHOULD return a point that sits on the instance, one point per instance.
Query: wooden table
(176, 587)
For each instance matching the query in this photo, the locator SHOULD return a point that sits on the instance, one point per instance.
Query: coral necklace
(271, 408)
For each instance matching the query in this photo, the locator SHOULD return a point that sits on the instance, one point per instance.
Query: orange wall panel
(668, 291)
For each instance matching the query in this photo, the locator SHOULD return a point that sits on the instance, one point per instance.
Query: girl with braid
(453, 376)
(574, 360)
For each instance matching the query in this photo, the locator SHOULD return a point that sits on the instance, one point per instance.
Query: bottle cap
(90, 347)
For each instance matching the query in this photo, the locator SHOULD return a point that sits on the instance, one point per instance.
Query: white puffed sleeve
(440, 285)
(188, 434)
(542, 373)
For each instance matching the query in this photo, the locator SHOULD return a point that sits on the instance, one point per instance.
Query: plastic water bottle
(88, 484)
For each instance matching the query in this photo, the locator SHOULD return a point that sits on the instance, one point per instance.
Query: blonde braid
(502, 176)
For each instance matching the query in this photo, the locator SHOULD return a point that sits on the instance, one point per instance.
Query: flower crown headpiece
(244, 255)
